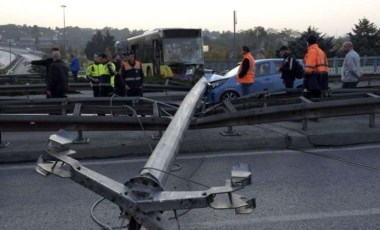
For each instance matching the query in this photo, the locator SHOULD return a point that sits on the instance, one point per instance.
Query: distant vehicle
(29, 50)
(121, 47)
(169, 52)
(267, 77)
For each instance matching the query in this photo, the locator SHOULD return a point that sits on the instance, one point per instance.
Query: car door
(263, 80)
(276, 75)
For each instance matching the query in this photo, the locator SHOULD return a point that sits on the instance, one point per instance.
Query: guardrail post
(3, 144)
(369, 81)
(304, 120)
(372, 120)
(156, 112)
(79, 138)
(63, 107)
(166, 84)
(304, 124)
(230, 130)
(372, 116)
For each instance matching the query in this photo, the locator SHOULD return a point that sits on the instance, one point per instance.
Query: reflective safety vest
(249, 77)
(132, 75)
(93, 71)
(107, 74)
(315, 60)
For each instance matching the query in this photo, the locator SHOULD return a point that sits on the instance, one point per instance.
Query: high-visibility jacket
(107, 74)
(249, 77)
(93, 72)
(315, 60)
(316, 69)
(132, 74)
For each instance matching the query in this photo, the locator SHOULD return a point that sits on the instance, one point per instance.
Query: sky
(333, 17)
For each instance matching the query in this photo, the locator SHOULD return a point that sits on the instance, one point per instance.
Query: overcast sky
(329, 16)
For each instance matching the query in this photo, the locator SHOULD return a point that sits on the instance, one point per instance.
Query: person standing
(288, 67)
(43, 62)
(246, 72)
(119, 84)
(93, 74)
(57, 80)
(74, 67)
(351, 72)
(132, 74)
(316, 69)
(107, 74)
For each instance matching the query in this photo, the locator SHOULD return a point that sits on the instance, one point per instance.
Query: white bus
(174, 52)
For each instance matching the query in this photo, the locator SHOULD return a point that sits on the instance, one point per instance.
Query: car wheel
(229, 95)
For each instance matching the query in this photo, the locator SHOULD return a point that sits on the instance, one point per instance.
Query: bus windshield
(185, 51)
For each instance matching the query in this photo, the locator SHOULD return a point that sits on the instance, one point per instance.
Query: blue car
(267, 77)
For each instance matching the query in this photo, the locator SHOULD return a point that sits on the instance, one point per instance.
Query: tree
(338, 45)
(109, 43)
(365, 38)
(299, 48)
(100, 44)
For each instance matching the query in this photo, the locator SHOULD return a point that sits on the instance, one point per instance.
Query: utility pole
(234, 43)
(64, 28)
(257, 39)
(10, 51)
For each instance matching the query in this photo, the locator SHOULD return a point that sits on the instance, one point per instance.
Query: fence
(369, 65)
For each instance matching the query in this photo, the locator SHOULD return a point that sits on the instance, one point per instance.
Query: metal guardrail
(40, 88)
(15, 77)
(14, 64)
(304, 110)
(99, 105)
(246, 112)
(369, 65)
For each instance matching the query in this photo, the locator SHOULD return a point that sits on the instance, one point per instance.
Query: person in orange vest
(132, 74)
(246, 72)
(316, 69)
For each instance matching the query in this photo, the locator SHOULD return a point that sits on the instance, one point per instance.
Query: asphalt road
(293, 190)
(21, 68)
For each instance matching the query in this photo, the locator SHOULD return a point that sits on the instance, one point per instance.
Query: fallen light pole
(143, 198)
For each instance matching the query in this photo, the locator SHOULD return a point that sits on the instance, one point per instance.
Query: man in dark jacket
(288, 67)
(119, 84)
(57, 79)
(132, 74)
(43, 62)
